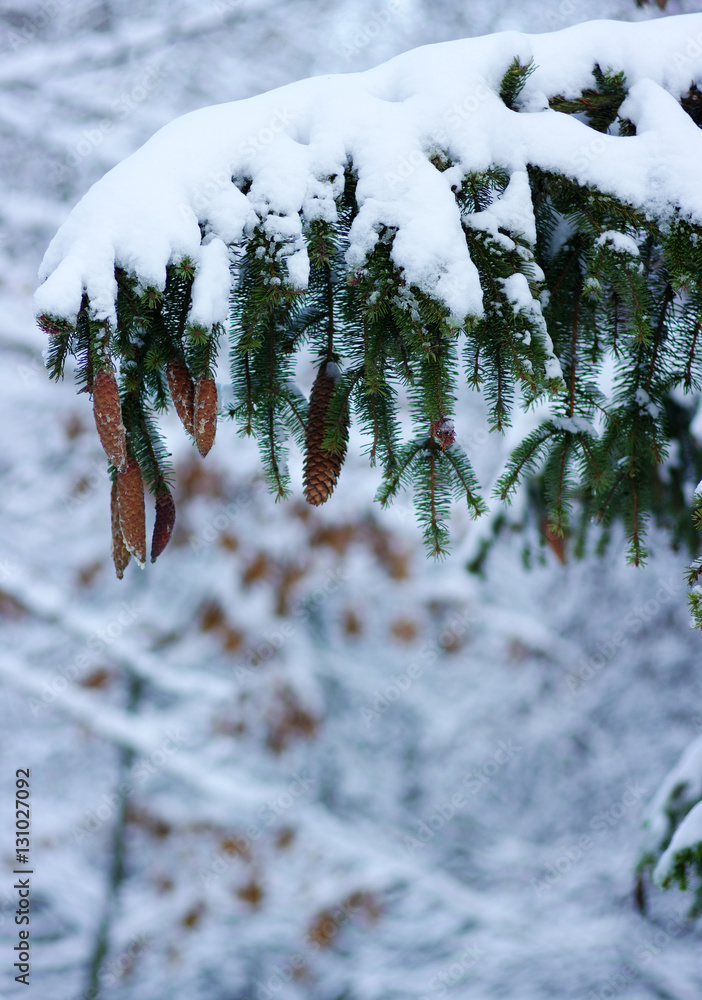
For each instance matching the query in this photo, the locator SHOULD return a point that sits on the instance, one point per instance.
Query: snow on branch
(284, 154)
(513, 211)
(672, 849)
(685, 848)
(48, 604)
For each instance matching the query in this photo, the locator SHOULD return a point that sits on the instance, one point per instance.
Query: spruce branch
(597, 317)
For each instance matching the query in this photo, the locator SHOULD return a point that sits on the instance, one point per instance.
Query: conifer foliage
(597, 312)
(672, 849)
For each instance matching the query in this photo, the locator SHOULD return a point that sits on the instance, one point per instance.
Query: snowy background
(294, 758)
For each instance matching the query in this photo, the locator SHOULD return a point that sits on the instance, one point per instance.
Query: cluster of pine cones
(196, 405)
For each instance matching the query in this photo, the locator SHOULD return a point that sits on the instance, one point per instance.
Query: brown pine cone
(132, 514)
(163, 525)
(182, 392)
(321, 467)
(443, 429)
(108, 418)
(205, 413)
(120, 552)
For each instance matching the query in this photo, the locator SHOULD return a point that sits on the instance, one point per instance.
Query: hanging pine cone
(120, 552)
(444, 431)
(108, 418)
(205, 418)
(321, 467)
(132, 514)
(182, 392)
(163, 525)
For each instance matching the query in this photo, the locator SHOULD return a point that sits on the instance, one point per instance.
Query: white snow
(688, 834)
(683, 783)
(513, 210)
(210, 295)
(575, 425)
(520, 634)
(619, 242)
(644, 401)
(144, 213)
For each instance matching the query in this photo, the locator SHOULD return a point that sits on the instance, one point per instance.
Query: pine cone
(182, 392)
(132, 514)
(120, 552)
(108, 418)
(163, 525)
(205, 413)
(443, 429)
(321, 467)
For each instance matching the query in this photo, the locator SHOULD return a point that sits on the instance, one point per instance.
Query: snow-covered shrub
(673, 828)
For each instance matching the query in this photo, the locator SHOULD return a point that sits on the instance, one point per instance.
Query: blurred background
(295, 758)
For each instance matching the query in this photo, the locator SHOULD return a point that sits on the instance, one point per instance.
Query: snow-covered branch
(281, 154)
